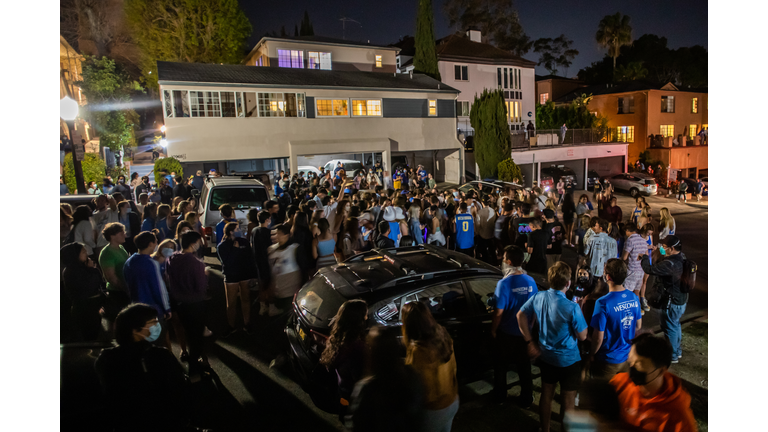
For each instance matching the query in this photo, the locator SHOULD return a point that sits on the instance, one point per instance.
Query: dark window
(238, 197)
(290, 105)
(482, 291)
(506, 79)
(181, 103)
(444, 300)
(228, 104)
(251, 104)
(465, 73)
(627, 105)
(457, 72)
(461, 73)
(667, 104)
(498, 76)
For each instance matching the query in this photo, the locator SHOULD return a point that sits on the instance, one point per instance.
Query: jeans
(670, 324)
(441, 420)
(509, 347)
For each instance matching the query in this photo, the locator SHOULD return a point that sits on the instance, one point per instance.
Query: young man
(511, 294)
(188, 284)
(614, 212)
(226, 212)
(668, 272)
(486, 223)
(111, 260)
(145, 283)
(198, 181)
(383, 241)
(682, 190)
(601, 247)
(554, 230)
(143, 187)
(286, 274)
(464, 227)
(261, 240)
(181, 188)
(536, 245)
(561, 326)
(699, 189)
(635, 246)
(616, 319)
(651, 398)
(431, 183)
(321, 194)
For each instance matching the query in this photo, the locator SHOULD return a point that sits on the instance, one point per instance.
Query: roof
(549, 77)
(232, 180)
(407, 46)
(316, 40)
(172, 73)
(622, 87)
(459, 47)
(380, 267)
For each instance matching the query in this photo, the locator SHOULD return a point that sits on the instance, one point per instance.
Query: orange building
(665, 120)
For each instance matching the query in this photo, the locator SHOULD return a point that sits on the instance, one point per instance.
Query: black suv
(457, 289)
(558, 172)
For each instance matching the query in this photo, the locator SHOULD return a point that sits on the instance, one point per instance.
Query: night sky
(682, 22)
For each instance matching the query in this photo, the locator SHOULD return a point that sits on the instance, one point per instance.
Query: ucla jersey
(394, 232)
(465, 231)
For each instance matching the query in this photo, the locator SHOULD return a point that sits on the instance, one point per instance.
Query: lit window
(432, 107)
(366, 107)
(626, 134)
(692, 129)
(667, 104)
(205, 104)
(378, 61)
(374, 107)
(461, 73)
(667, 130)
(271, 105)
(290, 59)
(695, 106)
(332, 108)
(543, 98)
(319, 60)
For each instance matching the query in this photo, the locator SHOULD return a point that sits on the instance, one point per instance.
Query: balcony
(658, 141)
(555, 138)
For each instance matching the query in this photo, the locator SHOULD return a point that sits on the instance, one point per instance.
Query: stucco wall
(342, 57)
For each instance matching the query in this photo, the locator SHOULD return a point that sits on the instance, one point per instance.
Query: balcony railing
(556, 137)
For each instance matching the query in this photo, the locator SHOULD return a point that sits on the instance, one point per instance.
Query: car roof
(234, 181)
(381, 268)
(342, 161)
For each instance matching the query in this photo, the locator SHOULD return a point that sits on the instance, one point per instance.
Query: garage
(576, 165)
(607, 165)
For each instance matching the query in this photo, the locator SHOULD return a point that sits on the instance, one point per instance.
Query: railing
(556, 137)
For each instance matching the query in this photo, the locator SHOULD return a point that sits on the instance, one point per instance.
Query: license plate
(302, 335)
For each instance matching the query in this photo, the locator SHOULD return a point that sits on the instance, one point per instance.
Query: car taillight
(208, 231)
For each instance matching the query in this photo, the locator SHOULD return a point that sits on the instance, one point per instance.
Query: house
(553, 87)
(663, 119)
(321, 53)
(70, 71)
(467, 64)
(242, 118)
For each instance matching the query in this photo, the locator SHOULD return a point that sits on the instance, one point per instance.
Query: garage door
(607, 165)
(576, 165)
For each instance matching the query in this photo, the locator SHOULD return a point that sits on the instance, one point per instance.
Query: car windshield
(319, 302)
(238, 197)
(649, 182)
(352, 166)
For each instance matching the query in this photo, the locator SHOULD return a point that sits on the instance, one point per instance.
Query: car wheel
(634, 192)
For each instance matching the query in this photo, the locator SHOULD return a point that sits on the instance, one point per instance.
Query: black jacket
(125, 190)
(261, 240)
(668, 273)
(180, 190)
(383, 242)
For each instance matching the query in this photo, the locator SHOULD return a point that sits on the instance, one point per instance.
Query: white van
(351, 167)
(242, 193)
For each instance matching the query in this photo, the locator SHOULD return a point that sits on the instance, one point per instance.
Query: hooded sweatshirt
(668, 411)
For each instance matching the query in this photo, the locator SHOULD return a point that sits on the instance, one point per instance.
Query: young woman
(429, 350)
(182, 228)
(165, 249)
(323, 245)
(560, 189)
(66, 233)
(569, 214)
(163, 218)
(150, 217)
(302, 236)
(667, 223)
(194, 220)
(84, 232)
(253, 220)
(352, 241)
(644, 218)
(550, 204)
(639, 205)
(135, 180)
(436, 236)
(82, 284)
(345, 353)
(581, 232)
(237, 266)
(646, 232)
(414, 222)
(583, 206)
(93, 188)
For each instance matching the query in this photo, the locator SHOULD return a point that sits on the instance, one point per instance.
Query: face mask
(121, 181)
(456, 194)
(662, 251)
(167, 252)
(185, 231)
(605, 279)
(583, 281)
(639, 378)
(154, 333)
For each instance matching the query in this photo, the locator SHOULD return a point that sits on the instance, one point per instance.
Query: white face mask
(167, 252)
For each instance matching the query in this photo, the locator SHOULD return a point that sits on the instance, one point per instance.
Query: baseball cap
(671, 241)
(549, 213)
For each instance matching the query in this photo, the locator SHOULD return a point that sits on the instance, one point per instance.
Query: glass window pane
(359, 108)
(374, 107)
(482, 291)
(324, 107)
(250, 104)
(498, 76)
(283, 58)
(181, 103)
(302, 104)
(290, 105)
(465, 73)
(457, 72)
(239, 104)
(228, 104)
(325, 61)
(168, 102)
(445, 300)
(314, 60)
(340, 107)
(198, 105)
(506, 82)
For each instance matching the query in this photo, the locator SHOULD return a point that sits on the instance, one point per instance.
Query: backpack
(688, 278)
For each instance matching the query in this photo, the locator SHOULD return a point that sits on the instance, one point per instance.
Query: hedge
(94, 169)
(169, 165)
(509, 171)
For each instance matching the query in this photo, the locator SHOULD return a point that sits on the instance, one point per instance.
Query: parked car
(351, 167)
(487, 186)
(592, 178)
(635, 183)
(692, 186)
(241, 192)
(552, 174)
(456, 288)
(306, 169)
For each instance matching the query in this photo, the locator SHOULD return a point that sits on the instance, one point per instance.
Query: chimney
(474, 35)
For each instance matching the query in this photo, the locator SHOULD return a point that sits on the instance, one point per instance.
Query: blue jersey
(465, 231)
(616, 314)
(511, 294)
(394, 232)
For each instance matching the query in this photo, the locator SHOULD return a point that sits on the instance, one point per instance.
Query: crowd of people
(139, 255)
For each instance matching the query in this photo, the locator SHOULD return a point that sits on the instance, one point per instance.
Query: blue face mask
(456, 194)
(167, 252)
(661, 250)
(154, 333)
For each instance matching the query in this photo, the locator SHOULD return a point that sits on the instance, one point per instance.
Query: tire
(634, 192)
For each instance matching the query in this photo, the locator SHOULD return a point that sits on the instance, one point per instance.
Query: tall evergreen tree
(488, 118)
(425, 59)
(295, 30)
(306, 26)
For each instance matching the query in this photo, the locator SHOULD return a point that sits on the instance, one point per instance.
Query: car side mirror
(196, 193)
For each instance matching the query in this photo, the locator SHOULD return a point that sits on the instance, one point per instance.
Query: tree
(574, 116)
(202, 31)
(94, 169)
(497, 20)
(488, 118)
(109, 91)
(425, 58)
(613, 32)
(630, 72)
(509, 171)
(295, 30)
(306, 26)
(555, 53)
(169, 165)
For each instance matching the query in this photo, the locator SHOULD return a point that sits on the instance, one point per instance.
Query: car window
(445, 300)
(482, 291)
(618, 177)
(238, 197)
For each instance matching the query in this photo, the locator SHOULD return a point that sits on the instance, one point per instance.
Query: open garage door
(577, 165)
(442, 164)
(607, 165)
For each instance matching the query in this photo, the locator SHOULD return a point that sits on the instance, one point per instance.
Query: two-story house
(322, 53)
(663, 119)
(467, 64)
(70, 71)
(233, 116)
(553, 87)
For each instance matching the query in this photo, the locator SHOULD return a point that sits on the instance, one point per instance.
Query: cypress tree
(306, 26)
(425, 59)
(488, 118)
(295, 30)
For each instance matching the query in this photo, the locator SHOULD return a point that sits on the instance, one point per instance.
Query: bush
(492, 139)
(509, 171)
(168, 165)
(94, 169)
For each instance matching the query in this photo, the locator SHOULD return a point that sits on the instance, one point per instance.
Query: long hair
(667, 221)
(64, 218)
(339, 219)
(181, 226)
(644, 230)
(300, 223)
(323, 226)
(82, 213)
(568, 205)
(347, 326)
(420, 327)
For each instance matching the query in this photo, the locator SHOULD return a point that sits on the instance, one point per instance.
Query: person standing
(668, 273)
(560, 190)
(699, 189)
(180, 190)
(613, 212)
(616, 319)
(286, 274)
(83, 229)
(666, 223)
(63, 189)
(600, 247)
(431, 183)
(486, 224)
(82, 284)
(464, 227)
(166, 191)
(429, 350)
(227, 213)
(561, 326)
(198, 181)
(106, 213)
(563, 130)
(555, 231)
(536, 245)
(237, 265)
(141, 187)
(261, 240)
(511, 294)
(682, 190)
(112, 261)
(530, 130)
(634, 246)
(131, 222)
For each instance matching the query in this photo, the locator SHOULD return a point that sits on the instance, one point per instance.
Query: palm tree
(613, 32)
(630, 72)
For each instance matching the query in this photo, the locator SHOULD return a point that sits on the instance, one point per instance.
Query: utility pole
(344, 26)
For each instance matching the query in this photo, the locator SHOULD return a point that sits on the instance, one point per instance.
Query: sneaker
(645, 306)
(676, 361)
(678, 200)
(207, 333)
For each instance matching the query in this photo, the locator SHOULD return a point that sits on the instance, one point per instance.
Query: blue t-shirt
(394, 232)
(63, 189)
(616, 314)
(511, 294)
(220, 229)
(148, 224)
(560, 321)
(465, 231)
(422, 174)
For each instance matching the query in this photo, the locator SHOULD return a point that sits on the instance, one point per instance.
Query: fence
(555, 137)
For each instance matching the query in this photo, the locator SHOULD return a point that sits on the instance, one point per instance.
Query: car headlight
(546, 188)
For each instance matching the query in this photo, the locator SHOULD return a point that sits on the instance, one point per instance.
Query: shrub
(94, 169)
(168, 165)
(508, 170)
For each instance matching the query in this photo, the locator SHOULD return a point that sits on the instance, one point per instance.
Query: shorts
(634, 280)
(569, 377)
(437, 239)
(606, 371)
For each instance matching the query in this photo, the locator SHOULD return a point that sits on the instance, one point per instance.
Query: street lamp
(68, 110)
(162, 129)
